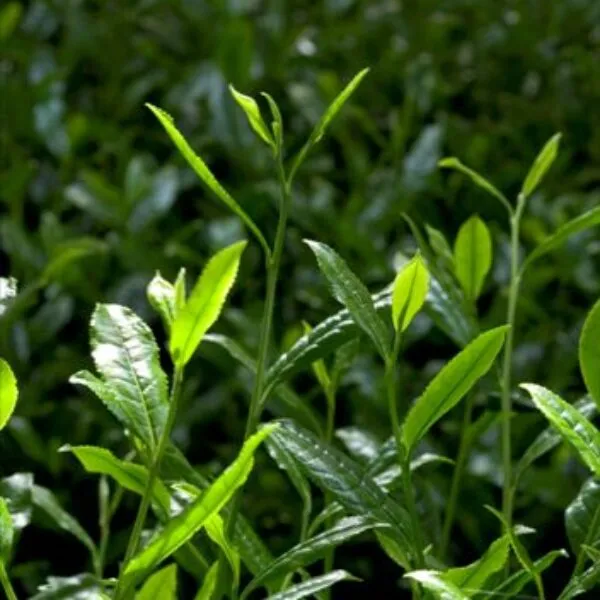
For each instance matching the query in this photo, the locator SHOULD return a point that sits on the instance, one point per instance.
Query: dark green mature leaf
(201, 169)
(133, 385)
(582, 517)
(589, 352)
(16, 490)
(571, 424)
(351, 292)
(451, 384)
(540, 166)
(409, 292)
(160, 585)
(8, 393)
(77, 587)
(333, 471)
(309, 551)
(186, 524)
(7, 532)
(311, 586)
(252, 112)
(435, 582)
(472, 256)
(205, 302)
(556, 239)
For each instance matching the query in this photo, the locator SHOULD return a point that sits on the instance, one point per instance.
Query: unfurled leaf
(409, 292)
(473, 256)
(162, 584)
(186, 524)
(589, 352)
(205, 302)
(201, 169)
(351, 292)
(540, 166)
(582, 517)
(252, 112)
(307, 552)
(7, 532)
(161, 295)
(133, 385)
(451, 384)
(209, 583)
(311, 586)
(215, 528)
(570, 423)
(8, 393)
(434, 582)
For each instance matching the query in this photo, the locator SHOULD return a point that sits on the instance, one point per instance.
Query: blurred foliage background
(94, 200)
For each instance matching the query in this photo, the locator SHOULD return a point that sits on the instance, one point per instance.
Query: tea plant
(198, 525)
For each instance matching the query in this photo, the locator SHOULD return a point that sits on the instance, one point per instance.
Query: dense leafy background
(94, 199)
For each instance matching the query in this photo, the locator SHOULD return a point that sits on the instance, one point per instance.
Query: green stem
(461, 461)
(140, 519)
(6, 584)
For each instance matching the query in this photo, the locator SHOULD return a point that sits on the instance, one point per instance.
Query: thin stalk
(140, 519)
(461, 461)
(6, 584)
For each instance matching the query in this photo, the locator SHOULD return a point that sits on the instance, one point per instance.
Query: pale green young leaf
(209, 583)
(472, 256)
(9, 393)
(476, 178)
(589, 352)
(582, 516)
(215, 528)
(541, 165)
(434, 582)
(311, 586)
(409, 292)
(180, 291)
(186, 524)
(588, 219)
(7, 532)
(204, 173)
(135, 386)
(277, 122)
(571, 424)
(252, 112)
(451, 384)
(205, 302)
(311, 550)
(160, 585)
(161, 295)
(352, 293)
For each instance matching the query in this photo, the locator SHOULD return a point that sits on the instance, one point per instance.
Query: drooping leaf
(451, 384)
(473, 256)
(186, 524)
(588, 219)
(209, 583)
(133, 385)
(161, 295)
(307, 552)
(311, 586)
(582, 517)
(541, 165)
(351, 292)
(589, 352)
(205, 302)
(252, 112)
(409, 292)
(162, 584)
(7, 532)
(434, 582)
(204, 173)
(570, 423)
(8, 393)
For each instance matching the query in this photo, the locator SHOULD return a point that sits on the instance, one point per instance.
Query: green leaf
(209, 583)
(440, 246)
(162, 584)
(540, 166)
(45, 500)
(319, 367)
(473, 256)
(161, 295)
(556, 239)
(409, 292)
(582, 517)
(10, 15)
(8, 393)
(451, 384)
(7, 532)
(309, 551)
(434, 582)
(311, 586)
(350, 291)
(205, 302)
(570, 423)
(202, 170)
(581, 583)
(589, 352)
(252, 112)
(477, 179)
(133, 386)
(8, 292)
(277, 123)
(16, 490)
(215, 528)
(180, 291)
(186, 524)
(334, 472)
